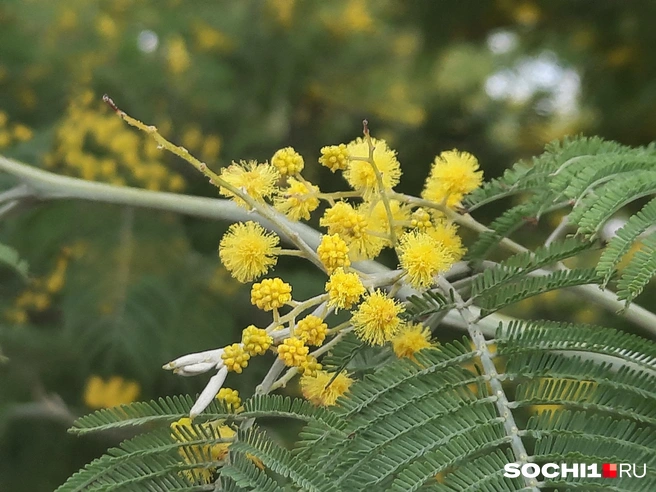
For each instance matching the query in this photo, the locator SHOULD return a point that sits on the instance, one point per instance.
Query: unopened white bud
(208, 394)
(213, 356)
(194, 369)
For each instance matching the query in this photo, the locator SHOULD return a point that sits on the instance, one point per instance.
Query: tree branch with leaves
(385, 405)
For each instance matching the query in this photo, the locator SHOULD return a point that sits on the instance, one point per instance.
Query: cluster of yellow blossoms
(359, 225)
(99, 393)
(184, 431)
(12, 133)
(128, 158)
(38, 295)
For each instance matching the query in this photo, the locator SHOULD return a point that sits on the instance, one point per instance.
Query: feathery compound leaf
(484, 474)
(639, 272)
(533, 365)
(518, 179)
(590, 172)
(281, 461)
(624, 238)
(520, 264)
(538, 336)
(286, 407)
(246, 476)
(147, 457)
(525, 176)
(587, 395)
(164, 410)
(594, 212)
(613, 431)
(506, 294)
(394, 443)
(429, 302)
(342, 352)
(394, 375)
(413, 476)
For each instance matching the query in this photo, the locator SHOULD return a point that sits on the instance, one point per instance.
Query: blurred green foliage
(116, 291)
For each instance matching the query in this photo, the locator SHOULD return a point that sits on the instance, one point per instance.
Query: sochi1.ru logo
(574, 470)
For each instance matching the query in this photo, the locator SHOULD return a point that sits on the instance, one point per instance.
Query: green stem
(379, 182)
(490, 371)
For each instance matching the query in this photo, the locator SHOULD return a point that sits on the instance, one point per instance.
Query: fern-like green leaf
(520, 264)
(611, 197)
(429, 302)
(506, 294)
(559, 156)
(613, 432)
(518, 179)
(343, 352)
(625, 237)
(587, 395)
(281, 461)
(246, 476)
(286, 407)
(639, 271)
(530, 366)
(164, 410)
(169, 409)
(151, 456)
(484, 474)
(539, 336)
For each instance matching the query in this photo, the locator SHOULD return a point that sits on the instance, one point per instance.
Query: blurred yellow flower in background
(100, 393)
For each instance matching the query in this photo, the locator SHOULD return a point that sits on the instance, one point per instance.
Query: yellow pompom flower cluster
(287, 161)
(14, 133)
(311, 329)
(184, 430)
(333, 252)
(423, 257)
(421, 219)
(446, 233)
(453, 175)
(271, 293)
(361, 175)
(258, 181)
(91, 143)
(230, 397)
(344, 289)
(248, 251)
(334, 157)
(99, 393)
(38, 296)
(309, 366)
(378, 221)
(317, 390)
(377, 320)
(353, 226)
(293, 352)
(255, 340)
(360, 224)
(298, 200)
(411, 339)
(426, 252)
(235, 357)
